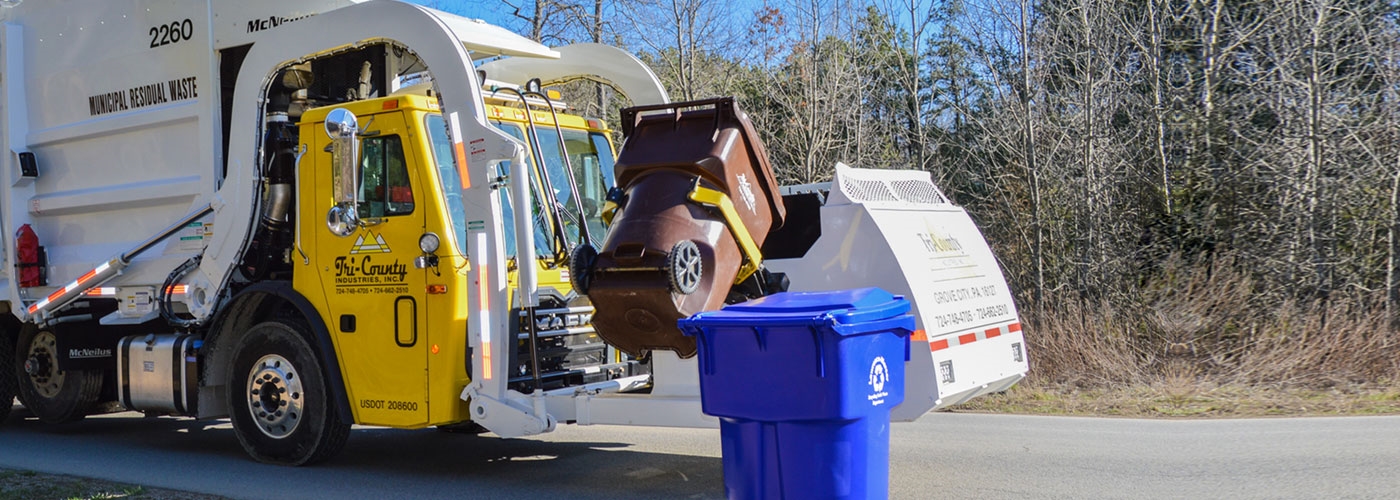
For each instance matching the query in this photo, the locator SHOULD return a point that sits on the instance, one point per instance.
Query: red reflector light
(394, 104)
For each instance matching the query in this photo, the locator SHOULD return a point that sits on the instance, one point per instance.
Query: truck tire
(55, 396)
(8, 378)
(279, 399)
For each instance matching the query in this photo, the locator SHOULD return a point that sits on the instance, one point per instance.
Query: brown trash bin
(667, 257)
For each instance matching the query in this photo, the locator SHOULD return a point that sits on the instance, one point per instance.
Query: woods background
(1185, 189)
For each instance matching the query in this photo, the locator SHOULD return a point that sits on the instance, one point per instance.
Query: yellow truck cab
(389, 290)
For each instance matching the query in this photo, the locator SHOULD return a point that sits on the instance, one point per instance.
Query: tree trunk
(1037, 224)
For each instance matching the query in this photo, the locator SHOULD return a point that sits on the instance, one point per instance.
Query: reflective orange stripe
(967, 338)
(459, 150)
(918, 335)
(485, 336)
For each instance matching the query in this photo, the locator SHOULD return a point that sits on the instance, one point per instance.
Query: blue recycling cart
(803, 383)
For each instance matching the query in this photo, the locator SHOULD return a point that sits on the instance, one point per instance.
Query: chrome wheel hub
(275, 396)
(42, 365)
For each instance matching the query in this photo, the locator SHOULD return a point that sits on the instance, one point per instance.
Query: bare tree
(689, 41)
(1386, 157)
(915, 20)
(1001, 35)
(807, 95)
(546, 21)
(1148, 33)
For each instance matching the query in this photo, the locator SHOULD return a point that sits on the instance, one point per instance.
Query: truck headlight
(429, 242)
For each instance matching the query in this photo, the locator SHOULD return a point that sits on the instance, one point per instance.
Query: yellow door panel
(375, 315)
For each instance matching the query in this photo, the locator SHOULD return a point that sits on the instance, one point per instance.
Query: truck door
(374, 292)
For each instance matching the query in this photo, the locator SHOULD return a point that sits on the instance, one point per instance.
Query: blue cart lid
(840, 307)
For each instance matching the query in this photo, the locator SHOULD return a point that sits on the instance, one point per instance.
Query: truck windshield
(592, 159)
(452, 190)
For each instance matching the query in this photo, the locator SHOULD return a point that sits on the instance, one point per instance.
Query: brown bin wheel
(685, 267)
(581, 268)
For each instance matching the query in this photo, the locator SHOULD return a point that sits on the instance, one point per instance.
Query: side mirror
(343, 129)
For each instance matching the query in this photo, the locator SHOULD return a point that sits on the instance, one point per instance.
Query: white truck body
(123, 114)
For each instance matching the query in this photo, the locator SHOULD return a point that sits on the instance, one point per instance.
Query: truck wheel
(685, 266)
(55, 396)
(279, 399)
(8, 376)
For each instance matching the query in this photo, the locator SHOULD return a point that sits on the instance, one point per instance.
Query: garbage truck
(303, 215)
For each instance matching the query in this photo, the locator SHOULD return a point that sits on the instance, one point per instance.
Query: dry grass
(1202, 340)
(1195, 400)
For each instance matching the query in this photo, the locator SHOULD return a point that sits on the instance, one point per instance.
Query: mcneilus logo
(89, 353)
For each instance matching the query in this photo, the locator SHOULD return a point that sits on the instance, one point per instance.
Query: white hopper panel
(895, 230)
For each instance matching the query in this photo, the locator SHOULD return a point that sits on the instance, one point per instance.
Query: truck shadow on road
(388, 463)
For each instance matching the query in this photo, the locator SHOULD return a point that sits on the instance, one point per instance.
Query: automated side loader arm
(585, 61)
(436, 44)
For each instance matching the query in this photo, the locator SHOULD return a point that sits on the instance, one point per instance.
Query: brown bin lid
(638, 157)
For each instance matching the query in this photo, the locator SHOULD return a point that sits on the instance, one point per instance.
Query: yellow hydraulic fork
(712, 198)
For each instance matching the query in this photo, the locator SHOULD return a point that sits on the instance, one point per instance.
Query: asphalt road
(941, 456)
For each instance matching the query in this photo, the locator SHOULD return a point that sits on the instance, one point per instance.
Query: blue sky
(493, 11)
(500, 13)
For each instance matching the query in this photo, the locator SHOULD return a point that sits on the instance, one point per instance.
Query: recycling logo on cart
(879, 375)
